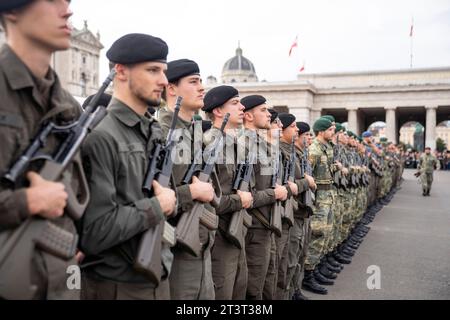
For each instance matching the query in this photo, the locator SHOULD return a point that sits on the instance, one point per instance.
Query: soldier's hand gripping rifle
(289, 175)
(187, 231)
(148, 259)
(55, 164)
(277, 209)
(18, 245)
(241, 219)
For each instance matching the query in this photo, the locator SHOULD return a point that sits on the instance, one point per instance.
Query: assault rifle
(289, 175)
(18, 246)
(148, 259)
(241, 219)
(187, 231)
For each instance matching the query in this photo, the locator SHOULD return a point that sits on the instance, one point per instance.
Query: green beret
(350, 134)
(329, 117)
(383, 140)
(322, 124)
(340, 127)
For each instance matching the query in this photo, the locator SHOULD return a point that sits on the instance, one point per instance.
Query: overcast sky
(333, 35)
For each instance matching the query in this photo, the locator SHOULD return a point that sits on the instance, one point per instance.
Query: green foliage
(440, 145)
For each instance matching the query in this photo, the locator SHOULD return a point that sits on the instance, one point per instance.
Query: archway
(412, 135)
(378, 129)
(443, 136)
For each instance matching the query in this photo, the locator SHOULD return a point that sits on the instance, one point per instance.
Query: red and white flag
(411, 32)
(294, 45)
(302, 68)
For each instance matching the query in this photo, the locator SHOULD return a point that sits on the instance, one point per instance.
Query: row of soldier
(284, 214)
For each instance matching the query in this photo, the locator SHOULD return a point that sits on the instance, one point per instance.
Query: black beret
(181, 68)
(7, 5)
(273, 115)
(136, 48)
(104, 100)
(286, 119)
(303, 127)
(206, 125)
(217, 97)
(251, 102)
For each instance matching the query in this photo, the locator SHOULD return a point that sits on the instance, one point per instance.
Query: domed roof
(238, 63)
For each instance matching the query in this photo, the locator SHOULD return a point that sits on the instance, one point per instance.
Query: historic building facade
(78, 68)
(362, 98)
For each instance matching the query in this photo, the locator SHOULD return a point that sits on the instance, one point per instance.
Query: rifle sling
(258, 215)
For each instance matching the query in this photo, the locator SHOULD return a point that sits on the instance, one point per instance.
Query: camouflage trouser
(427, 180)
(363, 203)
(338, 211)
(346, 215)
(372, 196)
(384, 184)
(321, 226)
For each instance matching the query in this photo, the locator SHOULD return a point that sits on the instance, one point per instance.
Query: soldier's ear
(171, 90)
(122, 72)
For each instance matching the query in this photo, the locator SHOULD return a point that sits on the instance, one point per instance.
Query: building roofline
(373, 72)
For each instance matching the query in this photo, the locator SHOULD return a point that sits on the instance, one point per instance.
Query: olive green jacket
(115, 157)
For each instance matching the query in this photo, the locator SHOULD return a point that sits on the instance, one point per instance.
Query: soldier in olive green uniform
(270, 285)
(300, 234)
(258, 239)
(321, 222)
(229, 266)
(116, 159)
(292, 250)
(427, 165)
(32, 94)
(191, 277)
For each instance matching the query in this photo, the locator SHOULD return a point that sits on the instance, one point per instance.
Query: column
(353, 119)
(301, 113)
(314, 115)
(430, 127)
(391, 124)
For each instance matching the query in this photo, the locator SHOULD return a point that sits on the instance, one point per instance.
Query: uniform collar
(130, 118)
(20, 77)
(17, 73)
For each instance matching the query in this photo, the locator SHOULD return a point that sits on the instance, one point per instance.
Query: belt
(324, 187)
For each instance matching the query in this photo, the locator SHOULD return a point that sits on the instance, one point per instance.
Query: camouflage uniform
(321, 221)
(427, 164)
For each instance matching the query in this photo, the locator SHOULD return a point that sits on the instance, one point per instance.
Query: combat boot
(326, 272)
(347, 252)
(333, 263)
(350, 245)
(309, 283)
(298, 295)
(321, 279)
(342, 259)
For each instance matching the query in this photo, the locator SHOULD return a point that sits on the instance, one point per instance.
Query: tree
(440, 145)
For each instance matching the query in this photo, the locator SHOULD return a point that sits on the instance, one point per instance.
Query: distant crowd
(411, 158)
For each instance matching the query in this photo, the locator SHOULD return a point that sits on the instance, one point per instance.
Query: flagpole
(412, 42)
